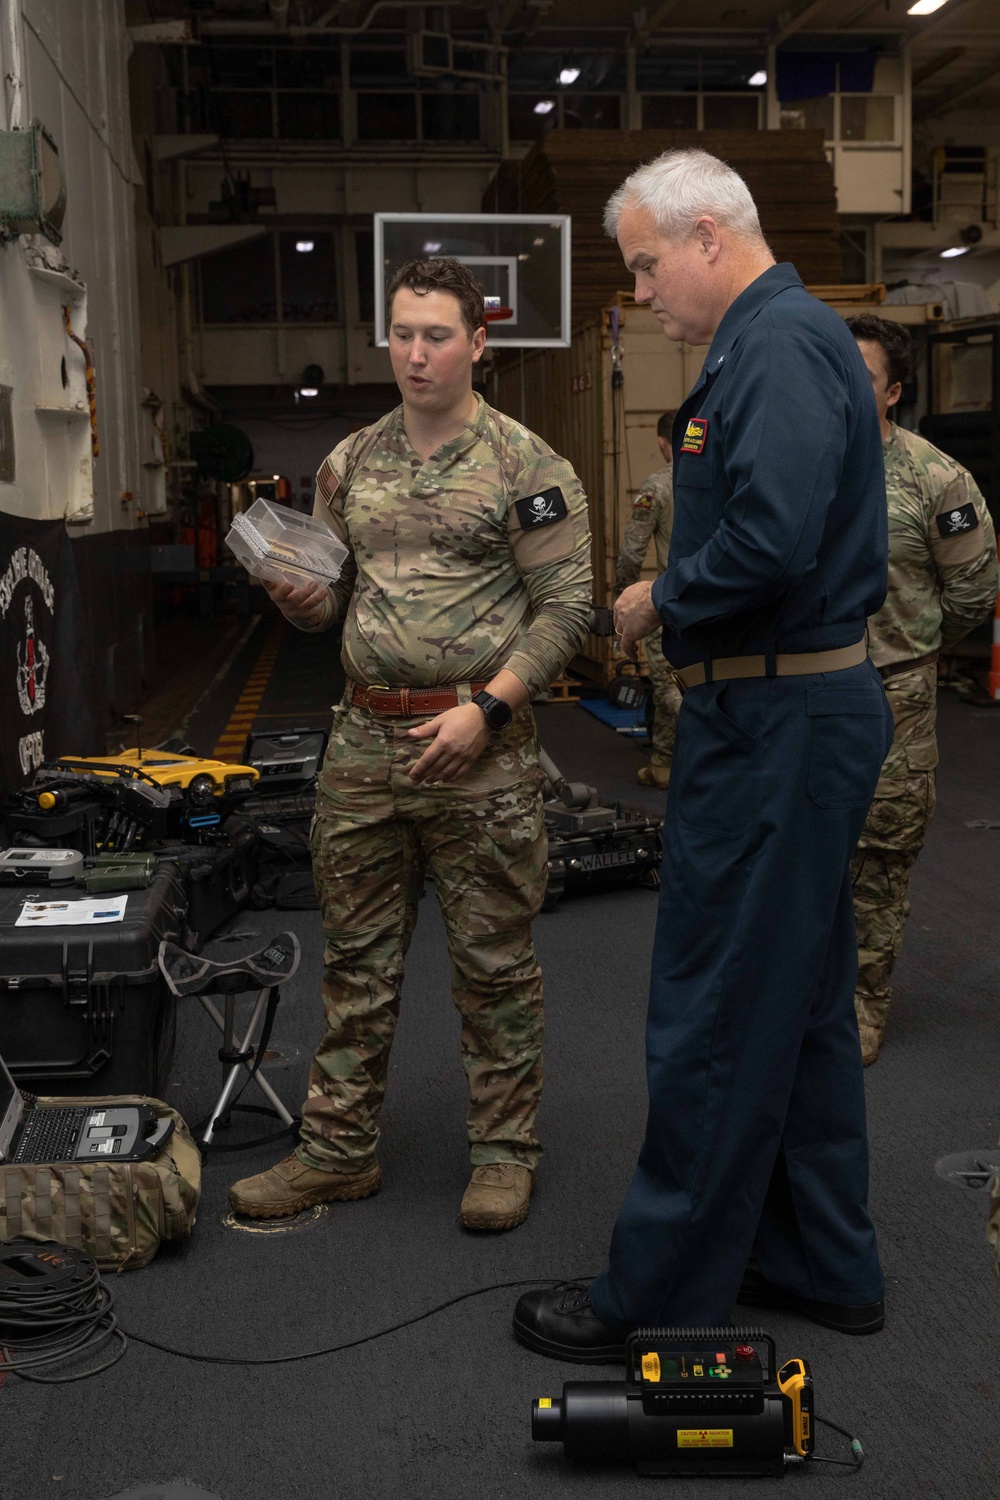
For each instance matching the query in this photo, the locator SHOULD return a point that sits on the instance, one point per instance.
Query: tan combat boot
(497, 1196)
(871, 1041)
(654, 775)
(291, 1186)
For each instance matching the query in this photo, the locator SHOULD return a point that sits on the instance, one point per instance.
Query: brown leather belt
(404, 703)
(896, 667)
(794, 664)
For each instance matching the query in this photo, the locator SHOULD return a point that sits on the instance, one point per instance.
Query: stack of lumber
(576, 171)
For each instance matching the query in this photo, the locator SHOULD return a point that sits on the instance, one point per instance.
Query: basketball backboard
(522, 260)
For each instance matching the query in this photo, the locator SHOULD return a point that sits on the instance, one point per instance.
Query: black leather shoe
(560, 1322)
(756, 1292)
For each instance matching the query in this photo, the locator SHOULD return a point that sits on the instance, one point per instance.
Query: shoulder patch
(695, 435)
(541, 509)
(955, 522)
(327, 481)
(642, 502)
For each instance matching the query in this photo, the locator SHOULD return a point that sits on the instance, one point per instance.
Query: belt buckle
(374, 687)
(676, 679)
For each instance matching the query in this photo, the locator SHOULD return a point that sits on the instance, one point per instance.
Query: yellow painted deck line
(245, 709)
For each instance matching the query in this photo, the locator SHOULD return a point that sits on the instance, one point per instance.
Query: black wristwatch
(496, 712)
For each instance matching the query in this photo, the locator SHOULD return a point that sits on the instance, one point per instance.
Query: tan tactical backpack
(116, 1212)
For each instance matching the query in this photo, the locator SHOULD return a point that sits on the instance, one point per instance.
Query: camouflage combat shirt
(477, 559)
(652, 516)
(942, 553)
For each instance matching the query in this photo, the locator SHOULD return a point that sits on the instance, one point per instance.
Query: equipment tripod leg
(227, 1027)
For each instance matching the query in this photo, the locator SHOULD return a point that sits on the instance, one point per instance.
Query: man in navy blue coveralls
(756, 1147)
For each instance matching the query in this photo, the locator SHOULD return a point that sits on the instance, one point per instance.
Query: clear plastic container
(272, 541)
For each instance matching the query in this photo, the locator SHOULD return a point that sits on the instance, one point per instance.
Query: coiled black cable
(45, 1323)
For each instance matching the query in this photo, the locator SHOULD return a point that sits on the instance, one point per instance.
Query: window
(731, 111)
(524, 123)
(372, 67)
(240, 285)
(237, 285)
(364, 255)
(307, 67)
(247, 92)
(676, 73)
(450, 117)
(527, 122)
(239, 67)
(241, 116)
(387, 117)
(809, 114)
(670, 112)
(308, 277)
(591, 111)
(867, 117)
(309, 117)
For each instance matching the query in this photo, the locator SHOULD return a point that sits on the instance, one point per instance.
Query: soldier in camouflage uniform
(466, 590)
(942, 582)
(653, 516)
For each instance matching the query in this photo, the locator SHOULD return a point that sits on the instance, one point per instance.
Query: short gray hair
(678, 187)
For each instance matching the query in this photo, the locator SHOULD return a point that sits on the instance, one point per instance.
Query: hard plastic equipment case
(219, 877)
(284, 867)
(88, 1005)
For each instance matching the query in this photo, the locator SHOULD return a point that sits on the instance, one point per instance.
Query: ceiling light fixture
(955, 250)
(925, 7)
(545, 106)
(304, 246)
(757, 80)
(308, 390)
(569, 75)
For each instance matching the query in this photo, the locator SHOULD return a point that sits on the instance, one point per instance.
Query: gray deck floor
(441, 1409)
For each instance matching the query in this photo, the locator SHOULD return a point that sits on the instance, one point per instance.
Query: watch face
(497, 713)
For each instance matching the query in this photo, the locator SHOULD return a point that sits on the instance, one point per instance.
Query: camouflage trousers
(666, 700)
(893, 836)
(482, 840)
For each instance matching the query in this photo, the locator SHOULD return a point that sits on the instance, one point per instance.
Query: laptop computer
(96, 1132)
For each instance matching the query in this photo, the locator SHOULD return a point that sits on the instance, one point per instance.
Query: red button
(744, 1351)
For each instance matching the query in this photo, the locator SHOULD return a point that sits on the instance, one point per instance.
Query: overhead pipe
(15, 72)
(268, 28)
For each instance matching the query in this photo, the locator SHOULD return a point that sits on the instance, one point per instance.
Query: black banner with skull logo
(43, 708)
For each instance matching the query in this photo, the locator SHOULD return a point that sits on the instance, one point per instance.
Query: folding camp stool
(266, 970)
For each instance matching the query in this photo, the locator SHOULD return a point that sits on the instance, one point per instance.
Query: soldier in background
(653, 516)
(942, 583)
(466, 590)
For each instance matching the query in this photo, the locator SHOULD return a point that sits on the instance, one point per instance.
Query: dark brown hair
(441, 274)
(897, 345)
(665, 425)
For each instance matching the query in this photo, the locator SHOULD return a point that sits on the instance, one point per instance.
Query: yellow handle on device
(795, 1384)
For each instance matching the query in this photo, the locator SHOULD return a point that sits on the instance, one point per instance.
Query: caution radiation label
(705, 1437)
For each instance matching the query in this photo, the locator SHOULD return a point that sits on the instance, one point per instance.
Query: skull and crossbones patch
(954, 522)
(541, 509)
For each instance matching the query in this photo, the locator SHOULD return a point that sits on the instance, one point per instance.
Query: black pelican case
(86, 1008)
